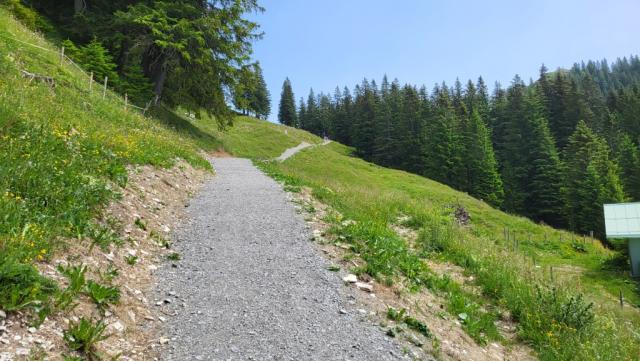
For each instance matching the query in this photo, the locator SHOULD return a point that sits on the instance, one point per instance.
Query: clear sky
(322, 44)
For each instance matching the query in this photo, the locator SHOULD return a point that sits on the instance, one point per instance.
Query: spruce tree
(301, 119)
(287, 110)
(441, 160)
(591, 180)
(629, 162)
(480, 162)
(260, 101)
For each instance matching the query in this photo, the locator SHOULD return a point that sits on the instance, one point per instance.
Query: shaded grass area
(515, 275)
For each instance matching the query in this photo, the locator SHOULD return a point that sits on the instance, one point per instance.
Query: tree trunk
(78, 6)
(159, 78)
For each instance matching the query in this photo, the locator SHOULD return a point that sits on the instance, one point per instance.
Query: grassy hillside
(64, 149)
(63, 153)
(536, 272)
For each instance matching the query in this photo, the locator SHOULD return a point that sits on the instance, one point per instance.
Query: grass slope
(538, 277)
(63, 153)
(64, 149)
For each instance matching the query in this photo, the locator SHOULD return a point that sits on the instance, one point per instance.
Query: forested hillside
(553, 150)
(192, 54)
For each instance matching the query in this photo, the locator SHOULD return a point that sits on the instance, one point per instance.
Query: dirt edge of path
(151, 206)
(451, 342)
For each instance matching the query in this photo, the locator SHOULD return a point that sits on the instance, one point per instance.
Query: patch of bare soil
(152, 204)
(449, 340)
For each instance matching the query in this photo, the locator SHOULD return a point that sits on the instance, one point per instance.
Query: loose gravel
(251, 286)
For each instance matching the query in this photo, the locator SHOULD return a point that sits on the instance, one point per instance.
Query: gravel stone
(260, 289)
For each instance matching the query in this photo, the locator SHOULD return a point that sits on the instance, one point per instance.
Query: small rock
(167, 300)
(108, 313)
(163, 340)
(22, 352)
(117, 326)
(162, 319)
(350, 278)
(414, 340)
(343, 311)
(32, 330)
(364, 286)
(3, 314)
(363, 312)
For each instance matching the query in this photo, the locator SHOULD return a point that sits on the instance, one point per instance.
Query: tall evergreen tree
(629, 162)
(261, 99)
(591, 180)
(287, 109)
(480, 162)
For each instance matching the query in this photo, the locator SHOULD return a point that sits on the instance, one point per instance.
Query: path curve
(251, 286)
(290, 152)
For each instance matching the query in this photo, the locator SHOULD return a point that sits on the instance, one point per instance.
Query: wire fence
(101, 85)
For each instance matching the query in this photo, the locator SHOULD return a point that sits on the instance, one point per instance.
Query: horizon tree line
(553, 150)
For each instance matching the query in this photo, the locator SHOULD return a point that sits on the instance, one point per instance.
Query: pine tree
(260, 98)
(302, 115)
(531, 166)
(591, 180)
(441, 160)
(365, 105)
(287, 110)
(629, 162)
(481, 164)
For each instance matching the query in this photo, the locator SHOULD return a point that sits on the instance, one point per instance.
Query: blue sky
(322, 44)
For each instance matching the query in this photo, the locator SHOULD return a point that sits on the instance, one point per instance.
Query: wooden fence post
(104, 91)
(621, 300)
(126, 101)
(91, 82)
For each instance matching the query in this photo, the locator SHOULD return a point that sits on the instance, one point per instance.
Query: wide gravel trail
(251, 286)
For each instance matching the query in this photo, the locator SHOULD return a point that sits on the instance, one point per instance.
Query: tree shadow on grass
(183, 126)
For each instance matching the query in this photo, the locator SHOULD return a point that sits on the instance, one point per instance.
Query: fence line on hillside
(65, 60)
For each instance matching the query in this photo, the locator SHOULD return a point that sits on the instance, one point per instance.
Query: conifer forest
(552, 149)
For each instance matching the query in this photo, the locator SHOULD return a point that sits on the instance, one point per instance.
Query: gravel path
(291, 151)
(251, 286)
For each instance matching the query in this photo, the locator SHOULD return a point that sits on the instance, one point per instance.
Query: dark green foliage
(629, 162)
(251, 94)
(591, 180)
(188, 53)
(510, 149)
(413, 323)
(480, 162)
(287, 111)
(94, 58)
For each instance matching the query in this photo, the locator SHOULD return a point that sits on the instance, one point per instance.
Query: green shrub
(95, 58)
(27, 16)
(84, 335)
(102, 295)
(77, 283)
(21, 285)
